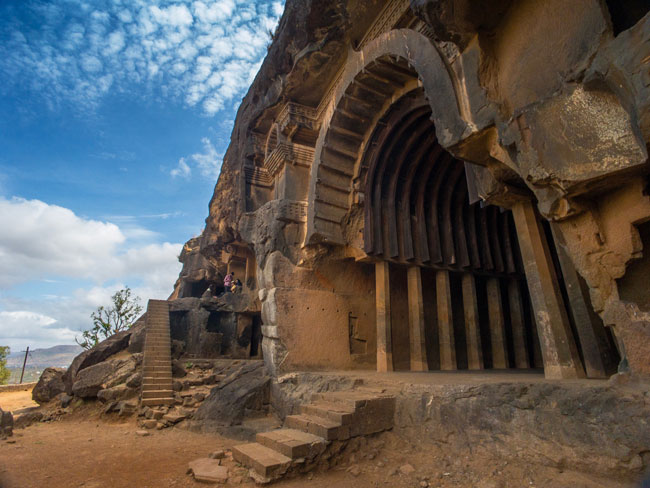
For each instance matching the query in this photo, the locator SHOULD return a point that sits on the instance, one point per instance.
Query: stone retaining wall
(21, 387)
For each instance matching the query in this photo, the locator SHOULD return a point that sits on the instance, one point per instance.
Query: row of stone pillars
(445, 321)
(558, 348)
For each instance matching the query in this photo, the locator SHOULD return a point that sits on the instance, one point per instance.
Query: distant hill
(57, 356)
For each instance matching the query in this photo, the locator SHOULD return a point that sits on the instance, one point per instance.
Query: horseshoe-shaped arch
(386, 68)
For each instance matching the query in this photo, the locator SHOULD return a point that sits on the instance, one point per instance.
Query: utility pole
(24, 363)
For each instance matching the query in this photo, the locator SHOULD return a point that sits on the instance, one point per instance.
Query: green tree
(4, 372)
(119, 316)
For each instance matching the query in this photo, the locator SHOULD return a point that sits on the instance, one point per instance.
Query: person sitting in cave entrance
(237, 286)
(227, 281)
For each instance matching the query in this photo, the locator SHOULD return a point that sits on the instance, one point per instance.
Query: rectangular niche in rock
(224, 324)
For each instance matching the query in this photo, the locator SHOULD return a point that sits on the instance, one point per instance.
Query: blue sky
(114, 117)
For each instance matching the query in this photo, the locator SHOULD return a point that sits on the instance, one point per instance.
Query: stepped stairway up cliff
(157, 380)
(322, 428)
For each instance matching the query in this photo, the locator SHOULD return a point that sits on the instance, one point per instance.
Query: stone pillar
(559, 349)
(382, 297)
(416, 321)
(445, 321)
(497, 325)
(518, 324)
(538, 360)
(472, 330)
(599, 359)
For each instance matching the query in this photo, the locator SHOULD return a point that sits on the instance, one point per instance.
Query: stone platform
(593, 426)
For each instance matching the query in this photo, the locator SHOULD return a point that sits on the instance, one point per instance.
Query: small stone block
(173, 418)
(220, 454)
(208, 470)
(142, 433)
(407, 469)
(264, 461)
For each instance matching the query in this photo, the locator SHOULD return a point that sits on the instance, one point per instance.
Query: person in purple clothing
(227, 281)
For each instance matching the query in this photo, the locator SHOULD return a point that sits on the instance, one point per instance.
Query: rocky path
(74, 453)
(80, 451)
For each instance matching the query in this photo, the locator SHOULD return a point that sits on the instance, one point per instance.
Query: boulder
(6, 424)
(96, 355)
(178, 370)
(177, 348)
(119, 392)
(49, 385)
(89, 381)
(245, 388)
(27, 418)
(136, 341)
(126, 409)
(65, 400)
(135, 380)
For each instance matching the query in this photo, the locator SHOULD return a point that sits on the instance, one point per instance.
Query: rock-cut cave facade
(441, 185)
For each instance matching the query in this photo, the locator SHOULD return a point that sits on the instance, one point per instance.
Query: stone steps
(152, 402)
(322, 427)
(306, 437)
(338, 412)
(162, 368)
(293, 443)
(157, 393)
(157, 383)
(265, 461)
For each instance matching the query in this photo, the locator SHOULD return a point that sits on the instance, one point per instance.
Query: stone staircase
(326, 424)
(157, 383)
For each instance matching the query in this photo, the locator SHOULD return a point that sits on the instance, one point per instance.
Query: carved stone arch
(380, 73)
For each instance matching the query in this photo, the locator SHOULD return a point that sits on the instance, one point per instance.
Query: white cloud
(91, 64)
(144, 48)
(51, 245)
(215, 12)
(278, 8)
(207, 162)
(48, 240)
(175, 15)
(182, 169)
(115, 42)
(21, 328)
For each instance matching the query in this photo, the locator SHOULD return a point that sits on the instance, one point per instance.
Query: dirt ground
(16, 400)
(78, 451)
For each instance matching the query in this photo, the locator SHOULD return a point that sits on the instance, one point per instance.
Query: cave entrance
(195, 288)
(452, 289)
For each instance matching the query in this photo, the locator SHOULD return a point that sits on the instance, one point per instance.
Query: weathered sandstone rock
(97, 354)
(89, 381)
(49, 385)
(245, 388)
(119, 392)
(6, 424)
(136, 341)
(26, 418)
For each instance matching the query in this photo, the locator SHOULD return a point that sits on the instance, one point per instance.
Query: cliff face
(540, 108)
(308, 47)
